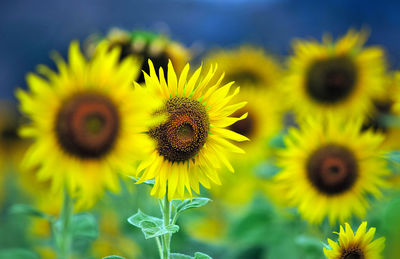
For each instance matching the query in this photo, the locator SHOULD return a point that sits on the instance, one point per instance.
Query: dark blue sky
(30, 29)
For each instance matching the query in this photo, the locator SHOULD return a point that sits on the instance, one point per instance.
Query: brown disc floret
(87, 125)
(184, 132)
(332, 169)
(331, 80)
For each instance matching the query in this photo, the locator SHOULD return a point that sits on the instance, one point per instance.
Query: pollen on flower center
(87, 125)
(331, 80)
(332, 169)
(184, 132)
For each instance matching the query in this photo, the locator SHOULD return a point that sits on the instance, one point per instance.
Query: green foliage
(393, 156)
(267, 170)
(113, 257)
(197, 255)
(277, 141)
(182, 205)
(17, 254)
(151, 226)
(84, 226)
(28, 210)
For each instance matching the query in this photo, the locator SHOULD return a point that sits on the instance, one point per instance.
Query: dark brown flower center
(185, 130)
(352, 253)
(332, 169)
(87, 125)
(331, 80)
(244, 77)
(159, 59)
(245, 127)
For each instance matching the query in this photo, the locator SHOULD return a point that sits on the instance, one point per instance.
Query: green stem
(63, 235)
(159, 246)
(167, 237)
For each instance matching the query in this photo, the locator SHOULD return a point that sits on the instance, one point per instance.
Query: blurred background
(30, 30)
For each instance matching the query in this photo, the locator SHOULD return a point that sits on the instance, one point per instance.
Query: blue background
(30, 29)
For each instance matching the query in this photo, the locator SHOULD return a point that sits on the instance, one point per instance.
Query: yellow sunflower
(144, 45)
(341, 76)
(85, 122)
(330, 168)
(355, 246)
(192, 142)
(248, 66)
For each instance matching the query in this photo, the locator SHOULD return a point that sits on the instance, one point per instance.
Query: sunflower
(248, 66)
(83, 127)
(330, 168)
(340, 76)
(192, 142)
(144, 45)
(355, 246)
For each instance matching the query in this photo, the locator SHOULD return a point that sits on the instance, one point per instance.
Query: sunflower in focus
(341, 76)
(330, 168)
(192, 142)
(356, 246)
(85, 122)
(248, 66)
(144, 45)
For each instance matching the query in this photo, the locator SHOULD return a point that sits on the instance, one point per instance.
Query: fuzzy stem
(63, 235)
(167, 237)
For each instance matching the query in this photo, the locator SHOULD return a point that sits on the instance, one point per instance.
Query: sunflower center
(331, 80)
(242, 77)
(87, 125)
(332, 169)
(184, 132)
(159, 60)
(355, 253)
(245, 127)
(9, 134)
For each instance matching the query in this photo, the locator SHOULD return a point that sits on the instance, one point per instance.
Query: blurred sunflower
(340, 76)
(355, 246)
(330, 168)
(192, 142)
(259, 126)
(144, 45)
(83, 127)
(248, 66)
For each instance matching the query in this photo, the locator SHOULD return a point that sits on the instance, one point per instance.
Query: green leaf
(150, 182)
(151, 226)
(17, 254)
(113, 257)
(182, 205)
(179, 256)
(199, 255)
(84, 225)
(28, 210)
